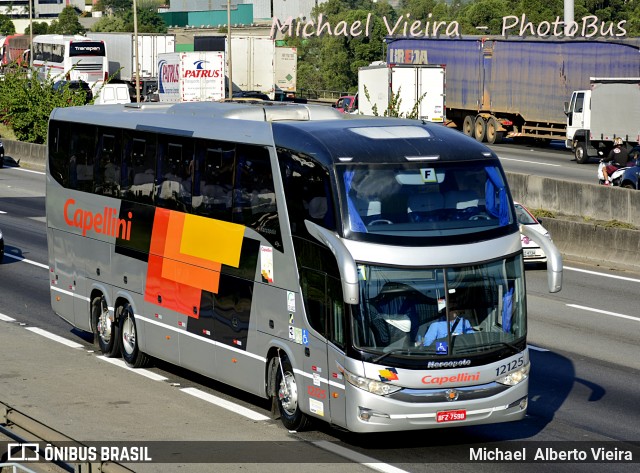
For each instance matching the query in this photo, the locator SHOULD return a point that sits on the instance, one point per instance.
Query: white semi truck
(121, 53)
(609, 109)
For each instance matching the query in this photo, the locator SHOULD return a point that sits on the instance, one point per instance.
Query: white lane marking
(533, 347)
(6, 318)
(25, 260)
(614, 276)
(2, 212)
(230, 406)
(357, 457)
(606, 312)
(143, 372)
(24, 170)
(530, 162)
(54, 337)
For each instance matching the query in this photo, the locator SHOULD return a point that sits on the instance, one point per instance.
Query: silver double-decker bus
(367, 272)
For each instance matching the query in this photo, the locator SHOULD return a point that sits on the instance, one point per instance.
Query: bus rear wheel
(131, 353)
(105, 330)
(287, 396)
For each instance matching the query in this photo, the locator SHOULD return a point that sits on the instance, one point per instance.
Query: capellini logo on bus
(106, 223)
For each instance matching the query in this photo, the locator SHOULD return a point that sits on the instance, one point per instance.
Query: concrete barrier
(578, 240)
(30, 155)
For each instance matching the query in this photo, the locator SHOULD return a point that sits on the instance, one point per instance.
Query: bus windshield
(404, 311)
(424, 198)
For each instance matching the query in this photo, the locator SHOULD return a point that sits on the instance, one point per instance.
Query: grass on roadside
(6, 132)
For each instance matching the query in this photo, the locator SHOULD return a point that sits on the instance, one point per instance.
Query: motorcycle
(615, 178)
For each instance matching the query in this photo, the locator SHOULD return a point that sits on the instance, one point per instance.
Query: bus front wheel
(130, 350)
(288, 397)
(105, 330)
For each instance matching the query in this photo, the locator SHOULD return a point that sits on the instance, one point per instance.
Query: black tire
(287, 397)
(626, 185)
(131, 353)
(105, 332)
(493, 135)
(468, 126)
(581, 154)
(480, 128)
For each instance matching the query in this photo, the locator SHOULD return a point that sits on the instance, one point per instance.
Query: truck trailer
(411, 90)
(516, 87)
(191, 76)
(609, 109)
(121, 52)
(256, 63)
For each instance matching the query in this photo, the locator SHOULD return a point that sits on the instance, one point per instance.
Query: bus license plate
(448, 416)
(529, 253)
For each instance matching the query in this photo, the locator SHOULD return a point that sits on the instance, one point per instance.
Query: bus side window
(82, 151)
(213, 180)
(313, 284)
(140, 160)
(174, 173)
(254, 201)
(109, 162)
(307, 188)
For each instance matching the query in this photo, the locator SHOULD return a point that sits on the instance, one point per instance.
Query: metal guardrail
(15, 468)
(325, 95)
(24, 429)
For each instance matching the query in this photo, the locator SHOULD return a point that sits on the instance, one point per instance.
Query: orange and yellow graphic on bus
(185, 257)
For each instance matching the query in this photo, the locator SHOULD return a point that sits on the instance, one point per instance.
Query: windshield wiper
(513, 348)
(390, 352)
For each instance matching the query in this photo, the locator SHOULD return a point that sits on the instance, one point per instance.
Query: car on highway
(1, 154)
(630, 178)
(346, 104)
(75, 85)
(532, 251)
(1, 247)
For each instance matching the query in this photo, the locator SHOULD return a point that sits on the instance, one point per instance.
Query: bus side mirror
(566, 109)
(346, 264)
(554, 259)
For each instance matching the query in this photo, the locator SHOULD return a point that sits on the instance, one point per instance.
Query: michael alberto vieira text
(551, 454)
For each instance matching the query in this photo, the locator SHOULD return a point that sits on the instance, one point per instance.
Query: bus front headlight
(515, 377)
(370, 385)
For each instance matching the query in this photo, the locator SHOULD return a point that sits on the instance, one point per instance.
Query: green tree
(6, 26)
(38, 28)
(67, 23)
(110, 23)
(25, 105)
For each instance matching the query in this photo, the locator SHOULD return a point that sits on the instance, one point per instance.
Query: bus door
(323, 383)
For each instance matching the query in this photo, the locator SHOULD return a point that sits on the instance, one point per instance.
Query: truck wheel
(467, 126)
(288, 398)
(581, 153)
(105, 331)
(130, 350)
(480, 129)
(493, 135)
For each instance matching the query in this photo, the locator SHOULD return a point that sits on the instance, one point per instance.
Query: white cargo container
(410, 84)
(286, 69)
(121, 53)
(191, 76)
(610, 109)
(253, 64)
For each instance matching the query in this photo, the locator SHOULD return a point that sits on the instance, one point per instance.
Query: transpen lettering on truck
(610, 108)
(515, 87)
